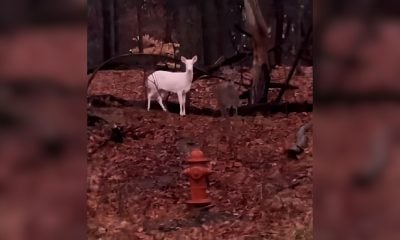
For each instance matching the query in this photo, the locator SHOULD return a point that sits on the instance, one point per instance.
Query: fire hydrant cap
(197, 153)
(197, 156)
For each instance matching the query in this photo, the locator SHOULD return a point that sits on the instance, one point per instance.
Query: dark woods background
(210, 29)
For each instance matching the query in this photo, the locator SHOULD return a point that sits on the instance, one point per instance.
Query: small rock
(237, 164)
(205, 227)
(101, 230)
(276, 206)
(124, 224)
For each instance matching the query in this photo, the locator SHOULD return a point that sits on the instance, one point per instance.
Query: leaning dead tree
(259, 30)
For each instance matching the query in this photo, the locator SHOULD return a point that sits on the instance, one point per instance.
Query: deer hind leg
(150, 94)
(159, 99)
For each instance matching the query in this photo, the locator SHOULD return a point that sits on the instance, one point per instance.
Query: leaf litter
(136, 189)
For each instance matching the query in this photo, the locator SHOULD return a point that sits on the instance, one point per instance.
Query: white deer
(177, 82)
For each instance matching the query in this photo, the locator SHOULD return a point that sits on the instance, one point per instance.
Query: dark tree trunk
(108, 28)
(95, 36)
(139, 25)
(298, 38)
(168, 28)
(279, 31)
(267, 79)
(211, 37)
(112, 27)
(189, 32)
(171, 22)
(285, 44)
(225, 24)
(115, 27)
(189, 27)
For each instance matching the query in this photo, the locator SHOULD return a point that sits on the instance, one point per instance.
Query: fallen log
(103, 101)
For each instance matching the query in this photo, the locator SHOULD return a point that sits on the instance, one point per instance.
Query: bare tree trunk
(211, 37)
(279, 31)
(298, 41)
(188, 30)
(115, 27)
(223, 33)
(191, 41)
(139, 22)
(258, 28)
(108, 28)
(95, 43)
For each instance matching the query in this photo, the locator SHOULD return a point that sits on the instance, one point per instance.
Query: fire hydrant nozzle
(198, 172)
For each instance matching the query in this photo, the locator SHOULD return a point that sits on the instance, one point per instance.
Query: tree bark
(226, 22)
(95, 34)
(115, 28)
(191, 41)
(188, 30)
(298, 39)
(258, 28)
(279, 31)
(139, 25)
(211, 37)
(108, 28)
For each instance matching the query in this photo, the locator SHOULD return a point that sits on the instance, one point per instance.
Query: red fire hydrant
(198, 172)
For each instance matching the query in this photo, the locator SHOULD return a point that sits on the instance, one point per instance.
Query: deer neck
(189, 74)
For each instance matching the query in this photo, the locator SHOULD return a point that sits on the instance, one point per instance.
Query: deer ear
(183, 59)
(194, 59)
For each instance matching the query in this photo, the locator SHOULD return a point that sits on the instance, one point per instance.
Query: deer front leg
(184, 103)
(180, 99)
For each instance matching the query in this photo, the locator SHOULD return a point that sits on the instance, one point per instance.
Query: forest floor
(136, 189)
